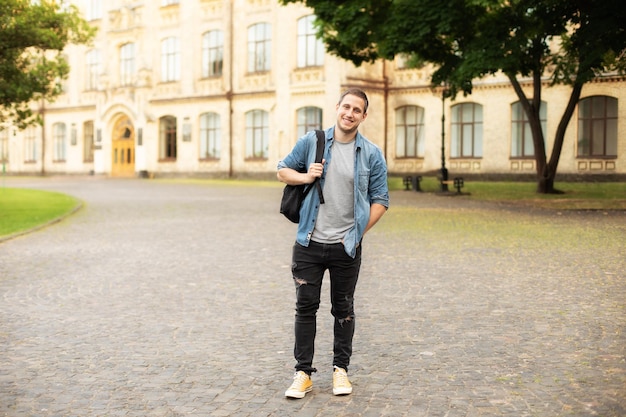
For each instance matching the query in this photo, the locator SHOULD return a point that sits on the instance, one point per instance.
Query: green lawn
(575, 195)
(23, 209)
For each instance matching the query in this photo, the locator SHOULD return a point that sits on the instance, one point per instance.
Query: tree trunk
(545, 183)
(546, 170)
(559, 138)
(532, 107)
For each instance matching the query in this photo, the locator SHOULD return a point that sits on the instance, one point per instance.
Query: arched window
(210, 136)
(88, 141)
(170, 59)
(466, 136)
(310, 48)
(259, 47)
(30, 144)
(410, 132)
(127, 64)
(92, 69)
(308, 118)
(59, 140)
(4, 145)
(94, 10)
(167, 138)
(257, 134)
(402, 61)
(212, 53)
(522, 145)
(597, 127)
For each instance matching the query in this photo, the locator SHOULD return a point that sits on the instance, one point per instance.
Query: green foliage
(22, 209)
(32, 38)
(467, 39)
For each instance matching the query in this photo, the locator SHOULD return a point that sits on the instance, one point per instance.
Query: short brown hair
(356, 92)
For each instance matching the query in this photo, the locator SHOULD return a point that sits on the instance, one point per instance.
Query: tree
(567, 42)
(33, 35)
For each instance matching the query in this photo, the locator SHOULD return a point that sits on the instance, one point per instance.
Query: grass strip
(24, 209)
(573, 196)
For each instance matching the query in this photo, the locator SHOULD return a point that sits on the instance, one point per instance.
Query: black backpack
(293, 195)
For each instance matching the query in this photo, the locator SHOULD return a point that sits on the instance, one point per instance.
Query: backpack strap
(319, 155)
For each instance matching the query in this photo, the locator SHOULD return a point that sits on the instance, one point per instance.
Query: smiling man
(353, 176)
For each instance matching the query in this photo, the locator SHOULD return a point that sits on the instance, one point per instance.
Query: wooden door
(123, 148)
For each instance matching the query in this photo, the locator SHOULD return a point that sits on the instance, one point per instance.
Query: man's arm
(376, 212)
(293, 177)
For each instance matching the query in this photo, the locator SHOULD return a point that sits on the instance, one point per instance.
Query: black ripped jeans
(308, 267)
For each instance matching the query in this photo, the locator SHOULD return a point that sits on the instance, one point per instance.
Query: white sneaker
(341, 383)
(301, 385)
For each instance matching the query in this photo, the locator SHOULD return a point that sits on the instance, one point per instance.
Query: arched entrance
(123, 148)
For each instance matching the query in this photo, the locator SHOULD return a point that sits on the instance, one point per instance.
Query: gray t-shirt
(336, 215)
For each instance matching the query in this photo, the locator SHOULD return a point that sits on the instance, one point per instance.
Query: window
(597, 127)
(210, 136)
(4, 145)
(310, 48)
(30, 144)
(259, 47)
(522, 145)
(92, 69)
(65, 5)
(88, 141)
(257, 132)
(94, 10)
(402, 61)
(167, 138)
(212, 53)
(467, 131)
(170, 60)
(58, 142)
(308, 118)
(64, 82)
(127, 64)
(410, 132)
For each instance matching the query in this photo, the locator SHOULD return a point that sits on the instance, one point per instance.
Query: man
(353, 175)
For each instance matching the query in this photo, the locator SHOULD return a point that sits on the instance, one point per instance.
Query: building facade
(225, 88)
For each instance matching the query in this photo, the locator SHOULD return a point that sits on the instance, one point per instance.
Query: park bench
(412, 182)
(457, 182)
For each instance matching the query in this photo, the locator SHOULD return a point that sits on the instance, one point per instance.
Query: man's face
(350, 113)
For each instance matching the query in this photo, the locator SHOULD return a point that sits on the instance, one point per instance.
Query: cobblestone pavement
(164, 298)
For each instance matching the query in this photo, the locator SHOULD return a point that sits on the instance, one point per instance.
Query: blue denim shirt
(370, 184)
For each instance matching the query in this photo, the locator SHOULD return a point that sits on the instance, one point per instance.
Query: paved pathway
(175, 299)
